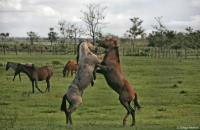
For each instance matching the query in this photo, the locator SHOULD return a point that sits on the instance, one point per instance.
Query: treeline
(175, 40)
(67, 33)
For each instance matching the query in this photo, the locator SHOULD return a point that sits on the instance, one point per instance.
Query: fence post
(52, 49)
(30, 51)
(4, 50)
(16, 49)
(41, 50)
(74, 49)
(185, 53)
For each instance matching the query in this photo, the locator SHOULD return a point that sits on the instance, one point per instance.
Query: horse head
(64, 72)
(87, 47)
(91, 47)
(7, 66)
(108, 43)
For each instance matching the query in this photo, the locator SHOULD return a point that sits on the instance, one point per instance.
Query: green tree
(74, 32)
(93, 17)
(52, 36)
(63, 29)
(32, 36)
(4, 36)
(158, 37)
(192, 37)
(135, 30)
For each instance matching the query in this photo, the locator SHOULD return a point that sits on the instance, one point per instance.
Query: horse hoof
(124, 123)
(132, 125)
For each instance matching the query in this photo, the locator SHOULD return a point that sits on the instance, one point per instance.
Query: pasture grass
(168, 91)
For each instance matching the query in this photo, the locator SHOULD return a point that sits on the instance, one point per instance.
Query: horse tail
(63, 105)
(136, 104)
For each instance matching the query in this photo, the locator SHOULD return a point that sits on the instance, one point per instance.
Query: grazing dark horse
(36, 74)
(14, 65)
(115, 79)
(71, 66)
(87, 63)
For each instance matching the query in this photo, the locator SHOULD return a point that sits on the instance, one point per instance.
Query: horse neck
(113, 54)
(65, 68)
(13, 65)
(28, 72)
(83, 51)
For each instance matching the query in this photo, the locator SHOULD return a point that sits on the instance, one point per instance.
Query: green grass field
(168, 91)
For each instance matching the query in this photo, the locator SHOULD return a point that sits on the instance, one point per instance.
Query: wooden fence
(161, 52)
(125, 51)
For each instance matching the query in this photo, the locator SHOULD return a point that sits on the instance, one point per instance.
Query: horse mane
(78, 46)
(117, 53)
(77, 50)
(28, 70)
(116, 47)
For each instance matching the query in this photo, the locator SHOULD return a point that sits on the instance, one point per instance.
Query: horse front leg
(36, 85)
(32, 86)
(68, 73)
(71, 72)
(48, 85)
(14, 76)
(20, 77)
(103, 67)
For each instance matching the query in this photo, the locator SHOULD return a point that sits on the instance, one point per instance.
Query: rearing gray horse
(87, 63)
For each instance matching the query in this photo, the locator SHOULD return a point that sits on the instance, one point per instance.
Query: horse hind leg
(36, 85)
(133, 115)
(136, 104)
(64, 108)
(73, 106)
(71, 109)
(131, 111)
(125, 118)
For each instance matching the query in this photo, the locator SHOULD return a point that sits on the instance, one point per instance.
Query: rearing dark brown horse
(115, 79)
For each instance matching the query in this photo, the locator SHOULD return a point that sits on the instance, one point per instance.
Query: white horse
(87, 63)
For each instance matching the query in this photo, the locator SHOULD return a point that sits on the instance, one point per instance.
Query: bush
(56, 62)
(1, 64)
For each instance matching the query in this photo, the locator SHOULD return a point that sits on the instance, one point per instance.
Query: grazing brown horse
(71, 66)
(87, 63)
(115, 79)
(36, 74)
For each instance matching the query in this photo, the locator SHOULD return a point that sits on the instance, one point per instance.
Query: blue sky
(20, 16)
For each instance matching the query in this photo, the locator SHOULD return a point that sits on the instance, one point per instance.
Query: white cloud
(10, 4)
(20, 16)
(46, 11)
(193, 21)
(195, 3)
